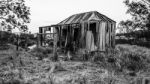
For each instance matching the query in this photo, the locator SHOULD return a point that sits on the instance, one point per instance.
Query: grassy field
(126, 63)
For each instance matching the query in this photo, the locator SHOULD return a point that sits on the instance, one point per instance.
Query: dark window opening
(107, 27)
(76, 33)
(111, 41)
(64, 32)
(49, 28)
(111, 27)
(147, 81)
(93, 29)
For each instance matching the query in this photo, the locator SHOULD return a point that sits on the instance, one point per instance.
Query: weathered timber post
(55, 45)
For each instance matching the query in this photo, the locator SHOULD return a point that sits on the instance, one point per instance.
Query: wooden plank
(88, 26)
(111, 28)
(45, 26)
(44, 36)
(114, 30)
(97, 29)
(61, 36)
(55, 45)
(66, 41)
(82, 35)
(85, 33)
(104, 35)
(82, 30)
(38, 41)
(107, 35)
(45, 33)
(112, 35)
(100, 37)
(102, 27)
(71, 33)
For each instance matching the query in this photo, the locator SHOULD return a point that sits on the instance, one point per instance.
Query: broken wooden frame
(91, 31)
(104, 37)
(76, 34)
(45, 33)
(42, 38)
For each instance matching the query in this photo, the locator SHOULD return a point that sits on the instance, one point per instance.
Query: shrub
(98, 57)
(131, 61)
(41, 52)
(123, 60)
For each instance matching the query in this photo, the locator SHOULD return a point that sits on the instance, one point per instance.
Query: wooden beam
(60, 38)
(98, 37)
(88, 26)
(45, 26)
(63, 24)
(45, 33)
(109, 35)
(114, 35)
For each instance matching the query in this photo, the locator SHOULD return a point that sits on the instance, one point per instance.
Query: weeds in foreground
(41, 52)
(123, 60)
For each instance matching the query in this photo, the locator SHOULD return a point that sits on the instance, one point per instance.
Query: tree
(14, 14)
(140, 12)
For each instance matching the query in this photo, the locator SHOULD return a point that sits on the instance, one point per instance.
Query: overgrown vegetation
(24, 39)
(41, 52)
(126, 60)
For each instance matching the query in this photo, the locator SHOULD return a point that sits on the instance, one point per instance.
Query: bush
(123, 60)
(98, 57)
(130, 60)
(4, 36)
(41, 52)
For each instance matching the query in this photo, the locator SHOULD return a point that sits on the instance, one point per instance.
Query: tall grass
(41, 52)
(126, 60)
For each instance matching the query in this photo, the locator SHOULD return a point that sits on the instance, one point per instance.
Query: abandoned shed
(90, 30)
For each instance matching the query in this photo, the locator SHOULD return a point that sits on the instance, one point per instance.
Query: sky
(48, 12)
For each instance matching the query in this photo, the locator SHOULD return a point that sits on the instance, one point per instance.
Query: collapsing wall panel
(114, 34)
(102, 36)
(44, 34)
(82, 40)
(107, 35)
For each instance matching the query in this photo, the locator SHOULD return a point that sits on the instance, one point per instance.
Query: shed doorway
(91, 36)
(93, 29)
(76, 36)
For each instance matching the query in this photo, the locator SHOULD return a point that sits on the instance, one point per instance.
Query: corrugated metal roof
(84, 17)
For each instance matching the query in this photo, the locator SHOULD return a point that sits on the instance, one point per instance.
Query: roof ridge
(87, 14)
(84, 12)
(94, 12)
(106, 16)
